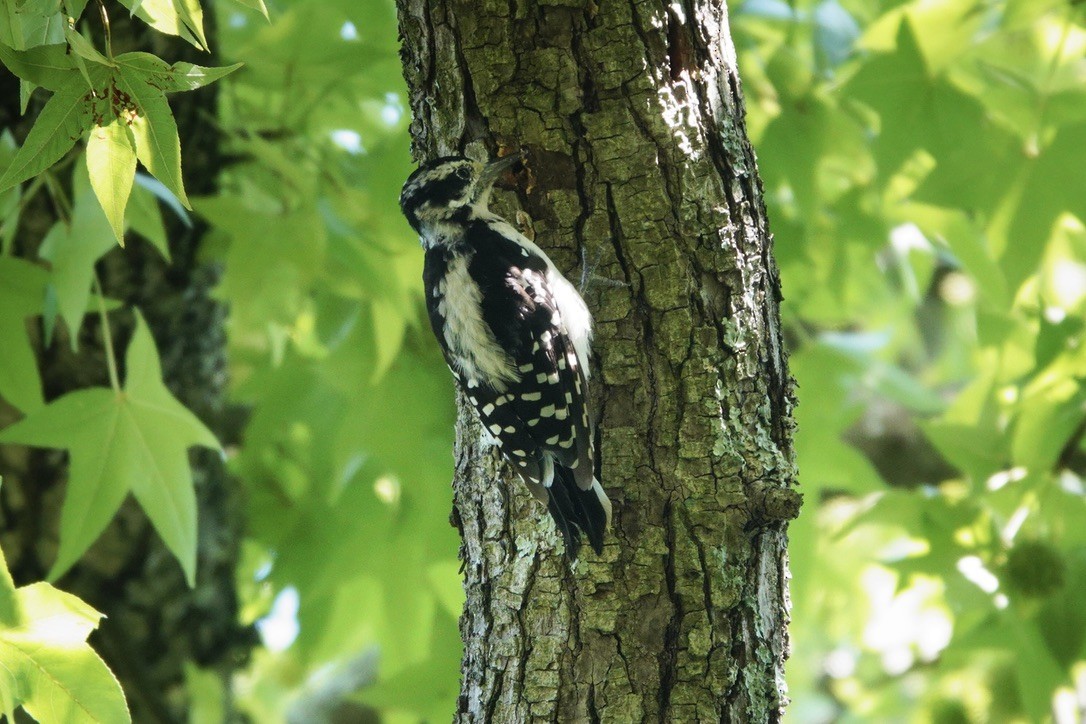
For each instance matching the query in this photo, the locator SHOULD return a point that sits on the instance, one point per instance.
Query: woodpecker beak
(493, 170)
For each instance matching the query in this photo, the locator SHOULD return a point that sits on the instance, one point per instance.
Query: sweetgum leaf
(133, 441)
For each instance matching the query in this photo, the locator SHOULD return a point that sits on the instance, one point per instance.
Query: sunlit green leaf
(173, 17)
(111, 161)
(1051, 410)
(1038, 673)
(272, 261)
(389, 326)
(192, 15)
(46, 665)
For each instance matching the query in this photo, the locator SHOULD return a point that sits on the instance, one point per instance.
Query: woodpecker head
(443, 189)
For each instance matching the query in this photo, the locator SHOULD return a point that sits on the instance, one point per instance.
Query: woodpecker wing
(550, 396)
(547, 402)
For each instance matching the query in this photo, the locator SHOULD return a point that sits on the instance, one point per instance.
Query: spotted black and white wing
(533, 402)
(548, 401)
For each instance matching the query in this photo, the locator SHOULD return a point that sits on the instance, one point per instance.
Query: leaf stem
(107, 337)
(105, 27)
(60, 201)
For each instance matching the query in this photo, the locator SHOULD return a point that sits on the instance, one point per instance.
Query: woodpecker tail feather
(577, 511)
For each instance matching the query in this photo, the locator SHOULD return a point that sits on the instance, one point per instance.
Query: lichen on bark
(640, 170)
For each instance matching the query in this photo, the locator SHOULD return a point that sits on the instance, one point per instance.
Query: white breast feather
(473, 347)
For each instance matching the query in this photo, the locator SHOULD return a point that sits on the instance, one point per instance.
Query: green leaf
(272, 261)
(11, 25)
(1050, 411)
(72, 251)
(145, 217)
(111, 161)
(49, 66)
(206, 693)
(81, 66)
(65, 684)
(132, 441)
(74, 8)
(163, 194)
(918, 109)
(11, 201)
(447, 584)
(22, 292)
(42, 22)
(183, 18)
(84, 49)
(10, 612)
(1038, 673)
(171, 78)
(401, 691)
(45, 663)
(62, 122)
(192, 15)
(389, 326)
(255, 5)
(46, 607)
(157, 145)
(970, 247)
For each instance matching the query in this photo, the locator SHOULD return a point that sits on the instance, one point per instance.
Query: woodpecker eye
(464, 173)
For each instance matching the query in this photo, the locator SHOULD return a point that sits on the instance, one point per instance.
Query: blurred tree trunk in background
(640, 170)
(155, 625)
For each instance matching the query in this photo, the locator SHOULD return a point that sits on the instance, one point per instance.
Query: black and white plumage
(516, 336)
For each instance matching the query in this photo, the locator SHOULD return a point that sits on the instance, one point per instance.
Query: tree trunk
(641, 175)
(154, 623)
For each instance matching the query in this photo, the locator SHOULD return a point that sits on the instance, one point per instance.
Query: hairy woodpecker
(515, 334)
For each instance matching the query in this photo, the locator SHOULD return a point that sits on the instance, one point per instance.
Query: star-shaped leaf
(111, 162)
(47, 666)
(134, 440)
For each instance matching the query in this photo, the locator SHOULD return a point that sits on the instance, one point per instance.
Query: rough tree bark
(639, 169)
(154, 623)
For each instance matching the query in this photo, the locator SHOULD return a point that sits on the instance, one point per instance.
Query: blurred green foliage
(347, 457)
(922, 166)
(922, 163)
